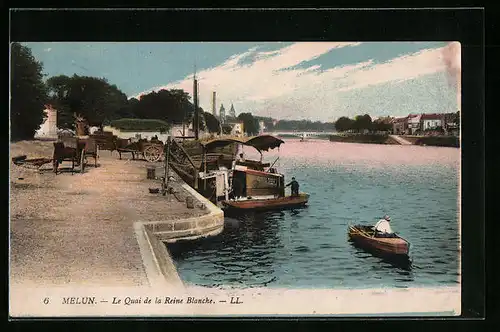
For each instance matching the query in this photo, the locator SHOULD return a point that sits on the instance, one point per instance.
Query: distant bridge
(301, 134)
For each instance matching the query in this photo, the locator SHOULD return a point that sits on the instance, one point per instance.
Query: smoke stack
(213, 103)
(453, 61)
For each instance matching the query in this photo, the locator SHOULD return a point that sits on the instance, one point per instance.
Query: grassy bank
(363, 138)
(140, 125)
(447, 141)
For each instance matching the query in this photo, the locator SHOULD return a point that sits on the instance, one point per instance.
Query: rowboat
(266, 203)
(364, 237)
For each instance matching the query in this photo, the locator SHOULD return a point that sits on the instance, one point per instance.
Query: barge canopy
(261, 143)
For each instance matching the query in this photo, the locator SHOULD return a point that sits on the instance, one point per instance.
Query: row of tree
(92, 98)
(361, 123)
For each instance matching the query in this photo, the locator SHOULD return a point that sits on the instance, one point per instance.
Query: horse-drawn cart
(73, 149)
(152, 150)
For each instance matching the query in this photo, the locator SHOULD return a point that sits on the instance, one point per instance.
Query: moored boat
(250, 185)
(364, 237)
(266, 203)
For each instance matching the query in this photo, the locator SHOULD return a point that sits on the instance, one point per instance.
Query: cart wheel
(152, 153)
(82, 161)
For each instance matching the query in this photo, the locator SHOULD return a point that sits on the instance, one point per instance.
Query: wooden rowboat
(364, 237)
(264, 204)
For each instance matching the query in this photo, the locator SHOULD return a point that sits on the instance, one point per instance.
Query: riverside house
(431, 121)
(414, 123)
(399, 126)
(236, 129)
(450, 125)
(417, 124)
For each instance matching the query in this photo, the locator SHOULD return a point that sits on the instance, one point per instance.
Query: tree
(344, 124)
(212, 123)
(382, 124)
(362, 122)
(201, 119)
(28, 93)
(250, 124)
(172, 106)
(93, 98)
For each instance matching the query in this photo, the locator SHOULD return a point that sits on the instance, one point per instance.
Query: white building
(262, 127)
(431, 121)
(48, 129)
(237, 129)
(179, 130)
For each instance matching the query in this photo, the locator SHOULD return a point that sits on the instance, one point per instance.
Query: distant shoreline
(443, 141)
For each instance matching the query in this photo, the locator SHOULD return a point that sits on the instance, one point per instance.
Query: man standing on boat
(295, 187)
(383, 227)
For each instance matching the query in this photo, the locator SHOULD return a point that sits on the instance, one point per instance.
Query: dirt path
(78, 229)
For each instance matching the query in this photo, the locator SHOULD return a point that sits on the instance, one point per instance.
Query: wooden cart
(152, 151)
(75, 150)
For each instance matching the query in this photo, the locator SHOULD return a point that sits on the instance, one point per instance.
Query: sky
(317, 81)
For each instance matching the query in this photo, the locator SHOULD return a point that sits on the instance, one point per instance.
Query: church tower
(232, 112)
(222, 114)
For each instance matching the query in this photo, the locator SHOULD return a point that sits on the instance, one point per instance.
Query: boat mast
(195, 100)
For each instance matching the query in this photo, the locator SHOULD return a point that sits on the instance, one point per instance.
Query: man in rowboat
(383, 228)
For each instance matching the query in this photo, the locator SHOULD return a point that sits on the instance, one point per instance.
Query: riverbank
(364, 138)
(95, 228)
(444, 141)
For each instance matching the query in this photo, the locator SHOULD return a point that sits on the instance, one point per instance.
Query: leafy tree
(250, 124)
(127, 111)
(172, 106)
(93, 98)
(212, 123)
(344, 124)
(28, 93)
(201, 119)
(382, 124)
(362, 122)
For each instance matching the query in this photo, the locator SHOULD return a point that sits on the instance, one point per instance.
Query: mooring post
(195, 178)
(165, 178)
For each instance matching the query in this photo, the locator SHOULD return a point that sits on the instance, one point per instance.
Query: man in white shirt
(383, 227)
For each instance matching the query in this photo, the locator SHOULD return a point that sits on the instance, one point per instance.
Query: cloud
(399, 69)
(452, 57)
(274, 84)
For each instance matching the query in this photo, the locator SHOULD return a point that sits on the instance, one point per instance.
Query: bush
(140, 125)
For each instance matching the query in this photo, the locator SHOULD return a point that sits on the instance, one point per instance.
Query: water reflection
(244, 254)
(399, 262)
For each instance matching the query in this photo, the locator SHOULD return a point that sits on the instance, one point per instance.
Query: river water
(348, 183)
